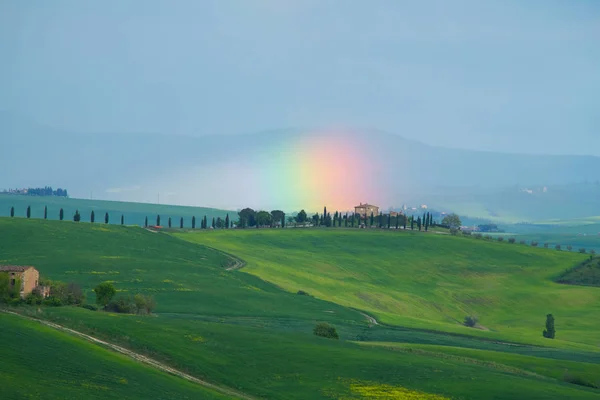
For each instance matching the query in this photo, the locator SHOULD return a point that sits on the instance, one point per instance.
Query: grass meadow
(253, 333)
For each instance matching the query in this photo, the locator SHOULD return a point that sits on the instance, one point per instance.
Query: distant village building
(395, 213)
(25, 276)
(365, 210)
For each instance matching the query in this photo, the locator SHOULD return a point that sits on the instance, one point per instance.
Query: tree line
(45, 191)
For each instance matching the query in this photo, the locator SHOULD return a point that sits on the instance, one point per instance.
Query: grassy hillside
(232, 328)
(425, 281)
(587, 274)
(38, 362)
(134, 213)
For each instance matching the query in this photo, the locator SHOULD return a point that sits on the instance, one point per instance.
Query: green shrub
(534, 243)
(302, 293)
(511, 240)
(104, 293)
(579, 380)
(478, 236)
(470, 321)
(323, 329)
(90, 307)
(501, 238)
(122, 304)
(34, 298)
(582, 250)
(52, 301)
(557, 247)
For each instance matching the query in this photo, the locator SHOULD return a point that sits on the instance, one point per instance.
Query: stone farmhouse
(365, 210)
(28, 277)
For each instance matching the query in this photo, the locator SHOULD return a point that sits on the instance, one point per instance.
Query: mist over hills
(295, 168)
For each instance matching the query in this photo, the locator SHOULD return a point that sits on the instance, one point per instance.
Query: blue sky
(519, 76)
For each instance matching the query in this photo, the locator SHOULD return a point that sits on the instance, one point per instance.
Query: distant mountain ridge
(407, 171)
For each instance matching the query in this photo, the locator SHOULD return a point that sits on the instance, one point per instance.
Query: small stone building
(28, 277)
(365, 210)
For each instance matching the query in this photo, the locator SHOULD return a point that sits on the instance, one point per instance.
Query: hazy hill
(295, 168)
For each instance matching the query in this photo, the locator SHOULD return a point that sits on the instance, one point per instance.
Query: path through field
(140, 358)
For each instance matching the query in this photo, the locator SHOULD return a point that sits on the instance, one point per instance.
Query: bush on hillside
(325, 330)
(546, 245)
(105, 291)
(478, 236)
(534, 243)
(138, 304)
(488, 237)
(453, 231)
(557, 247)
(582, 250)
(90, 307)
(470, 321)
(302, 293)
(501, 238)
(467, 233)
(592, 251)
(522, 242)
(511, 240)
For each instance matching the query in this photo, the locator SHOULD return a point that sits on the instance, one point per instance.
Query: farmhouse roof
(14, 268)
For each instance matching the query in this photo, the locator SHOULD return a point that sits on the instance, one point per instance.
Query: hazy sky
(498, 75)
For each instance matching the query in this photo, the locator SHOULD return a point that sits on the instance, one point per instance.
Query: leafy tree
(106, 218)
(301, 217)
(61, 214)
(122, 219)
(194, 221)
(569, 247)
(45, 212)
(549, 332)
(181, 223)
(77, 216)
(169, 222)
(28, 211)
(12, 211)
(158, 220)
(146, 222)
(323, 329)
(105, 291)
(248, 217)
(92, 217)
(470, 321)
(315, 219)
(452, 221)
(263, 218)
(227, 221)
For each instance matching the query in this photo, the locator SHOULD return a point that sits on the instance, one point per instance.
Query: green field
(134, 213)
(425, 281)
(39, 362)
(236, 330)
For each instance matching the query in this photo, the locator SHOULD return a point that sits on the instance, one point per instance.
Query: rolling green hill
(424, 281)
(39, 362)
(134, 213)
(235, 330)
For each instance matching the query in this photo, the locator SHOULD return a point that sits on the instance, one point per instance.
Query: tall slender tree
(28, 211)
(214, 223)
(405, 219)
(122, 219)
(77, 216)
(12, 211)
(205, 222)
(339, 220)
(324, 219)
(397, 220)
(372, 218)
(412, 223)
(283, 220)
(346, 221)
(227, 221)
(92, 217)
(146, 222)
(419, 223)
(181, 223)
(158, 220)
(106, 218)
(45, 212)
(169, 222)
(61, 214)
(193, 222)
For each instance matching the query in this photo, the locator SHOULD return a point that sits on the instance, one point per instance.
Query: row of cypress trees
(216, 223)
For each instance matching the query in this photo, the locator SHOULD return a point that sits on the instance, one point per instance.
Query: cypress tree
(193, 222)
(324, 219)
(181, 223)
(12, 211)
(205, 223)
(412, 223)
(346, 221)
(158, 220)
(45, 212)
(549, 332)
(339, 220)
(146, 222)
(92, 217)
(397, 221)
(283, 220)
(389, 220)
(214, 224)
(61, 214)
(169, 222)
(77, 216)
(353, 218)
(419, 223)
(227, 221)
(372, 219)
(405, 220)
(106, 218)
(28, 211)
(122, 219)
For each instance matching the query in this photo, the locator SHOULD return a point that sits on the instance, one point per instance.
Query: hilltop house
(25, 276)
(365, 210)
